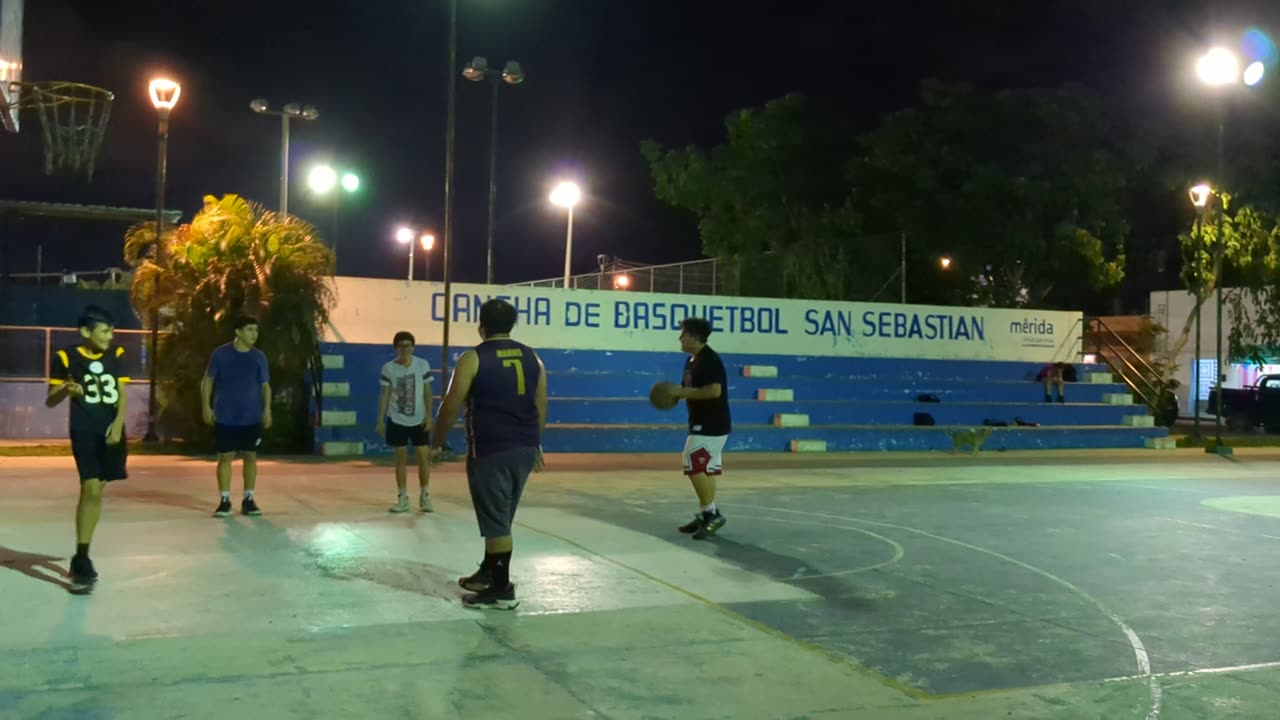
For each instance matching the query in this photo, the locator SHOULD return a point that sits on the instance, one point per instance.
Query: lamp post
(287, 113)
(567, 195)
(1199, 200)
(1219, 68)
(322, 180)
(164, 96)
(478, 70)
(406, 236)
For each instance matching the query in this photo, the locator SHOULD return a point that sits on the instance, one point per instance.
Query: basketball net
(73, 120)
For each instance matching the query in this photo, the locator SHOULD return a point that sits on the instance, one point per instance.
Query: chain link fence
(26, 352)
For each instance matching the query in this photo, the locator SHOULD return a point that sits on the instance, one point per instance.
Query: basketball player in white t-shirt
(404, 409)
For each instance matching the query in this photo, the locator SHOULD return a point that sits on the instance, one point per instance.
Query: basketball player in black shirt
(92, 374)
(705, 390)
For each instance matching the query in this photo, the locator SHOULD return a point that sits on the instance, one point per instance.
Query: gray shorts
(497, 482)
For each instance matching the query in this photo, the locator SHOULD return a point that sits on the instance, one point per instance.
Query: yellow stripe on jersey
(55, 381)
(66, 361)
(119, 351)
(124, 379)
(87, 354)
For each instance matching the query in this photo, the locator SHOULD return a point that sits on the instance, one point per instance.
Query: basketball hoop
(73, 119)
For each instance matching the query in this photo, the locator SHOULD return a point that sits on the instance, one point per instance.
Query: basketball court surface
(1122, 584)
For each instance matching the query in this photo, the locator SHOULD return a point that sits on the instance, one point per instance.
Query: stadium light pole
(406, 236)
(1219, 68)
(164, 97)
(567, 195)
(322, 180)
(478, 70)
(286, 114)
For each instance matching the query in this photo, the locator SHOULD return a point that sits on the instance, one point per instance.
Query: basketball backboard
(10, 61)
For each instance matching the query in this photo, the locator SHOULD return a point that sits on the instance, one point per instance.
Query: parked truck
(1249, 407)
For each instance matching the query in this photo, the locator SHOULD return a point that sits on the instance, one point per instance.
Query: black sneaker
(492, 599)
(478, 582)
(249, 507)
(693, 525)
(710, 524)
(83, 576)
(224, 508)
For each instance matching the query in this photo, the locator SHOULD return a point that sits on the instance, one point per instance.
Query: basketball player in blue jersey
(92, 374)
(504, 387)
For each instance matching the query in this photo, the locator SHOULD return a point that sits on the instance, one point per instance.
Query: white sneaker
(401, 506)
(424, 503)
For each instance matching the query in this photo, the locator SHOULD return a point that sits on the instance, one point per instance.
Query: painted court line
(1222, 529)
(1202, 671)
(1141, 657)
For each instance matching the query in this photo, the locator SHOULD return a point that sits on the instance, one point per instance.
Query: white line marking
(1203, 671)
(898, 551)
(1140, 655)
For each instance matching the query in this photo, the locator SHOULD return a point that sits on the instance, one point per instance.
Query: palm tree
(234, 258)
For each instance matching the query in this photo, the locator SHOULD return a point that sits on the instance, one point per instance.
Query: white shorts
(702, 454)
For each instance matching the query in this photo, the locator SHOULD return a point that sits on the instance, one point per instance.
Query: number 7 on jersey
(517, 365)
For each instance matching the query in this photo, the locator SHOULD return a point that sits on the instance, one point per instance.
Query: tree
(233, 258)
(1023, 189)
(778, 186)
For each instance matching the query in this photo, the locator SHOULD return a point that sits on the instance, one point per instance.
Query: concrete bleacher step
(775, 395)
(1161, 443)
(808, 446)
(337, 418)
(341, 448)
(760, 371)
(336, 389)
(790, 420)
(1099, 378)
(1139, 421)
(1118, 398)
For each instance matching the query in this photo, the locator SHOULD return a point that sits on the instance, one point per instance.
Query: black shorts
(496, 483)
(399, 435)
(237, 438)
(96, 460)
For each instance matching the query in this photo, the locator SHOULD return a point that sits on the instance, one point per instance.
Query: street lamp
(1200, 195)
(322, 180)
(944, 263)
(566, 195)
(164, 96)
(478, 70)
(287, 113)
(622, 282)
(406, 236)
(1218, 68)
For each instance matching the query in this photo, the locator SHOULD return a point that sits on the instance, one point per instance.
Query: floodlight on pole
(1218, 67)
(322, 179)
(566, 195)
(1253, 73)
(289, 112)
(1200, 195)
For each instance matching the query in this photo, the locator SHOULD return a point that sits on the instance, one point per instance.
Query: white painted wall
(373, 310)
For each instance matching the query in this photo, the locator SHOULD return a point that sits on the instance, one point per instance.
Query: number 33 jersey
(102, 375)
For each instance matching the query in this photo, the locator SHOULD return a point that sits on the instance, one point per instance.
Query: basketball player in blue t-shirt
(504, 387)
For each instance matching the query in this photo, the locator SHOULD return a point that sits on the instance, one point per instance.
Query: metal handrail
(1152, 397)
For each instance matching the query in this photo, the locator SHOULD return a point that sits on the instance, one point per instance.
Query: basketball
(662, 397)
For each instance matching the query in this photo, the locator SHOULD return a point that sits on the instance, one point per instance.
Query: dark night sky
(603, 75)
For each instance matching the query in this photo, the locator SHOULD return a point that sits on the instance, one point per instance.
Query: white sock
(709, 508)
(226, 496)
(248, 494)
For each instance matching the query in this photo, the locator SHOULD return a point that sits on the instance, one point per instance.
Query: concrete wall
(1171, 309)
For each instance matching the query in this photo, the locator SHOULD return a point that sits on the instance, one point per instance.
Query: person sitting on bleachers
(1056, 374)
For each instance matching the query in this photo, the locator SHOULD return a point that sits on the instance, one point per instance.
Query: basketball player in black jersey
(92, 374)
(504, 386)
